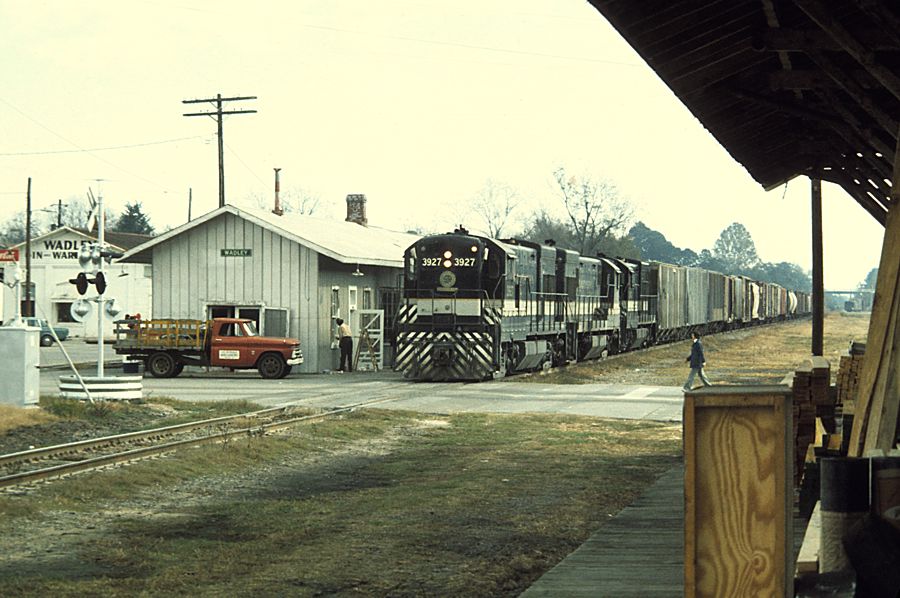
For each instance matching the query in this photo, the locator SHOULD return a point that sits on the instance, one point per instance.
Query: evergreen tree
(133, 220)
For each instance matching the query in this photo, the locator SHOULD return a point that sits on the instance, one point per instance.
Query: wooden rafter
(823, 17)
(849, 84)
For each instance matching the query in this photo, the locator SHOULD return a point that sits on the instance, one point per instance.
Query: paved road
(337, 390)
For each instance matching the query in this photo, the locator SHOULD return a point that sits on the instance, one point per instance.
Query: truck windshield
(250, 329)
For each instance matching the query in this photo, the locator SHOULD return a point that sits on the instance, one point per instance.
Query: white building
(54, 261)
(294, 275)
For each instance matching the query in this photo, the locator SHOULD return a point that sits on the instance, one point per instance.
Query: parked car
(46, 335)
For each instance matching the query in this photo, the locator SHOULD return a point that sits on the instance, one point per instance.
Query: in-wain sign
(236, 252)
(9, 255)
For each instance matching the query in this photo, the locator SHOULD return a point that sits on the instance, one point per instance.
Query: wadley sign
(236, 252)
(57, 249)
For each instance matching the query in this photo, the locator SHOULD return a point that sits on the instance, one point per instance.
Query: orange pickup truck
(166, 346)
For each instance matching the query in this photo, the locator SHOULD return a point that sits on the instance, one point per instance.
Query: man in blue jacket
(697, 361)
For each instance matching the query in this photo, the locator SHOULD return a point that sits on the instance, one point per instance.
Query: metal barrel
(844, 501)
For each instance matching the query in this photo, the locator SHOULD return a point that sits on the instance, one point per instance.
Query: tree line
(73, 213)
(584, 213)
(591, 216)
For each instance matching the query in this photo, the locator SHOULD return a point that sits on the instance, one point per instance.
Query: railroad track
(50, 462)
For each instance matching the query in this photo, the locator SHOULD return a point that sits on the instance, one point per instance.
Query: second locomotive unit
(475, 307)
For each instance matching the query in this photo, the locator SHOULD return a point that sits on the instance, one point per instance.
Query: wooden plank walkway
(640, 552)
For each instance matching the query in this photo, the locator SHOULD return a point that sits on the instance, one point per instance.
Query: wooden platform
(639, 553)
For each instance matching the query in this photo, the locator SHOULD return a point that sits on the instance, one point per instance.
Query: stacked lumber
(804, 418)
(812, 401)
(848, 376)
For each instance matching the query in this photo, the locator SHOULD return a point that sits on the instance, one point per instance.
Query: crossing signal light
(80, 282)
(100, 282)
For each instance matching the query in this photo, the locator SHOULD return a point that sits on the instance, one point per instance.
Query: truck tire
(46, 340)
(272, 366)
(161, 365)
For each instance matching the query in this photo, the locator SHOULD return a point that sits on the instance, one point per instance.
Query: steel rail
(149, 451)
(90, 443)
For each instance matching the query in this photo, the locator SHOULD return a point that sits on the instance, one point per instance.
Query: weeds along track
(64, 459)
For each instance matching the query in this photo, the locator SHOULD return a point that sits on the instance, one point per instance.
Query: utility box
(19, 360)
(738, 494)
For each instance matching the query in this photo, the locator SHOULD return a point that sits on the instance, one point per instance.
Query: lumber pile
(812, 400)
(848, 376)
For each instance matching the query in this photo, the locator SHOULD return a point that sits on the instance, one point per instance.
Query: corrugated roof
(788, 87)
(345, 242)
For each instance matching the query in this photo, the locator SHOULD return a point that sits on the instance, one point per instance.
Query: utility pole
(190, 201)
(217, 115)
(28, 310)
(59, 207)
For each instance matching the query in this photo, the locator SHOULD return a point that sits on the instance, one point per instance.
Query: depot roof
(345, 242)
(788, 87)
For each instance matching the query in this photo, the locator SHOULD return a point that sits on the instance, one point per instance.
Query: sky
(414, 103)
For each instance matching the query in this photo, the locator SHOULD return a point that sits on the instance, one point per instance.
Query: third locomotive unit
(475, 307)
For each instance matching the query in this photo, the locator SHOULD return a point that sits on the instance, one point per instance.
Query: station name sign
(236, 252)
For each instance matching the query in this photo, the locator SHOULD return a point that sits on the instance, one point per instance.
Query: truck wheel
(287, 370)
(161, 365)
(46, 340)
(272, 366)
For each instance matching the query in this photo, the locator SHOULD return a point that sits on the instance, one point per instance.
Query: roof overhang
(789, 87)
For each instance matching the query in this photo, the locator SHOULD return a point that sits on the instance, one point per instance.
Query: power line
(100, 149)
(217, 115)
(239, 159)
(87, 151)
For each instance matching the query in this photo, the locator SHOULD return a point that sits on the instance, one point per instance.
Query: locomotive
(475, 308)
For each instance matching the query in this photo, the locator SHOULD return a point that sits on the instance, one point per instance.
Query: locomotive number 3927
(459, 261)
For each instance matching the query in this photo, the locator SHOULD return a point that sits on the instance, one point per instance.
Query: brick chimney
(356, 209)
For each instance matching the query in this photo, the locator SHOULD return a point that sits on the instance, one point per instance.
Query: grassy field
(759, 355)
(377, 503)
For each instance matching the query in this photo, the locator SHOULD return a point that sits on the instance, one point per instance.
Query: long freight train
(475, 307)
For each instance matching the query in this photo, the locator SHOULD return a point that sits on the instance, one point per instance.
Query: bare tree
(595, 210)
(295, 200)
(494, 204)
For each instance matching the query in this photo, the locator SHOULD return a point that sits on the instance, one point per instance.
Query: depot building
(54, 261)
(294, 275)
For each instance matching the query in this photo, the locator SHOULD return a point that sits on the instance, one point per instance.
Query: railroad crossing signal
(90, 258)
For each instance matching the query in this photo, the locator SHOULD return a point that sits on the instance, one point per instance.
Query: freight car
(474, 307)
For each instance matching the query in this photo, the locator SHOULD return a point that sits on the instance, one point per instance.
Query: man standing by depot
(345, 342)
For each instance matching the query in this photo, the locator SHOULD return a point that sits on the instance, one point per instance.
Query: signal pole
(29, 312)
(217, 115)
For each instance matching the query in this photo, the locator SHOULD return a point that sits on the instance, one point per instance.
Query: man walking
(345, 341)
(697, 361)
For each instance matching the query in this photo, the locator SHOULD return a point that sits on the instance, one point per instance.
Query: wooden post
(818, 285)
(738, 493)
